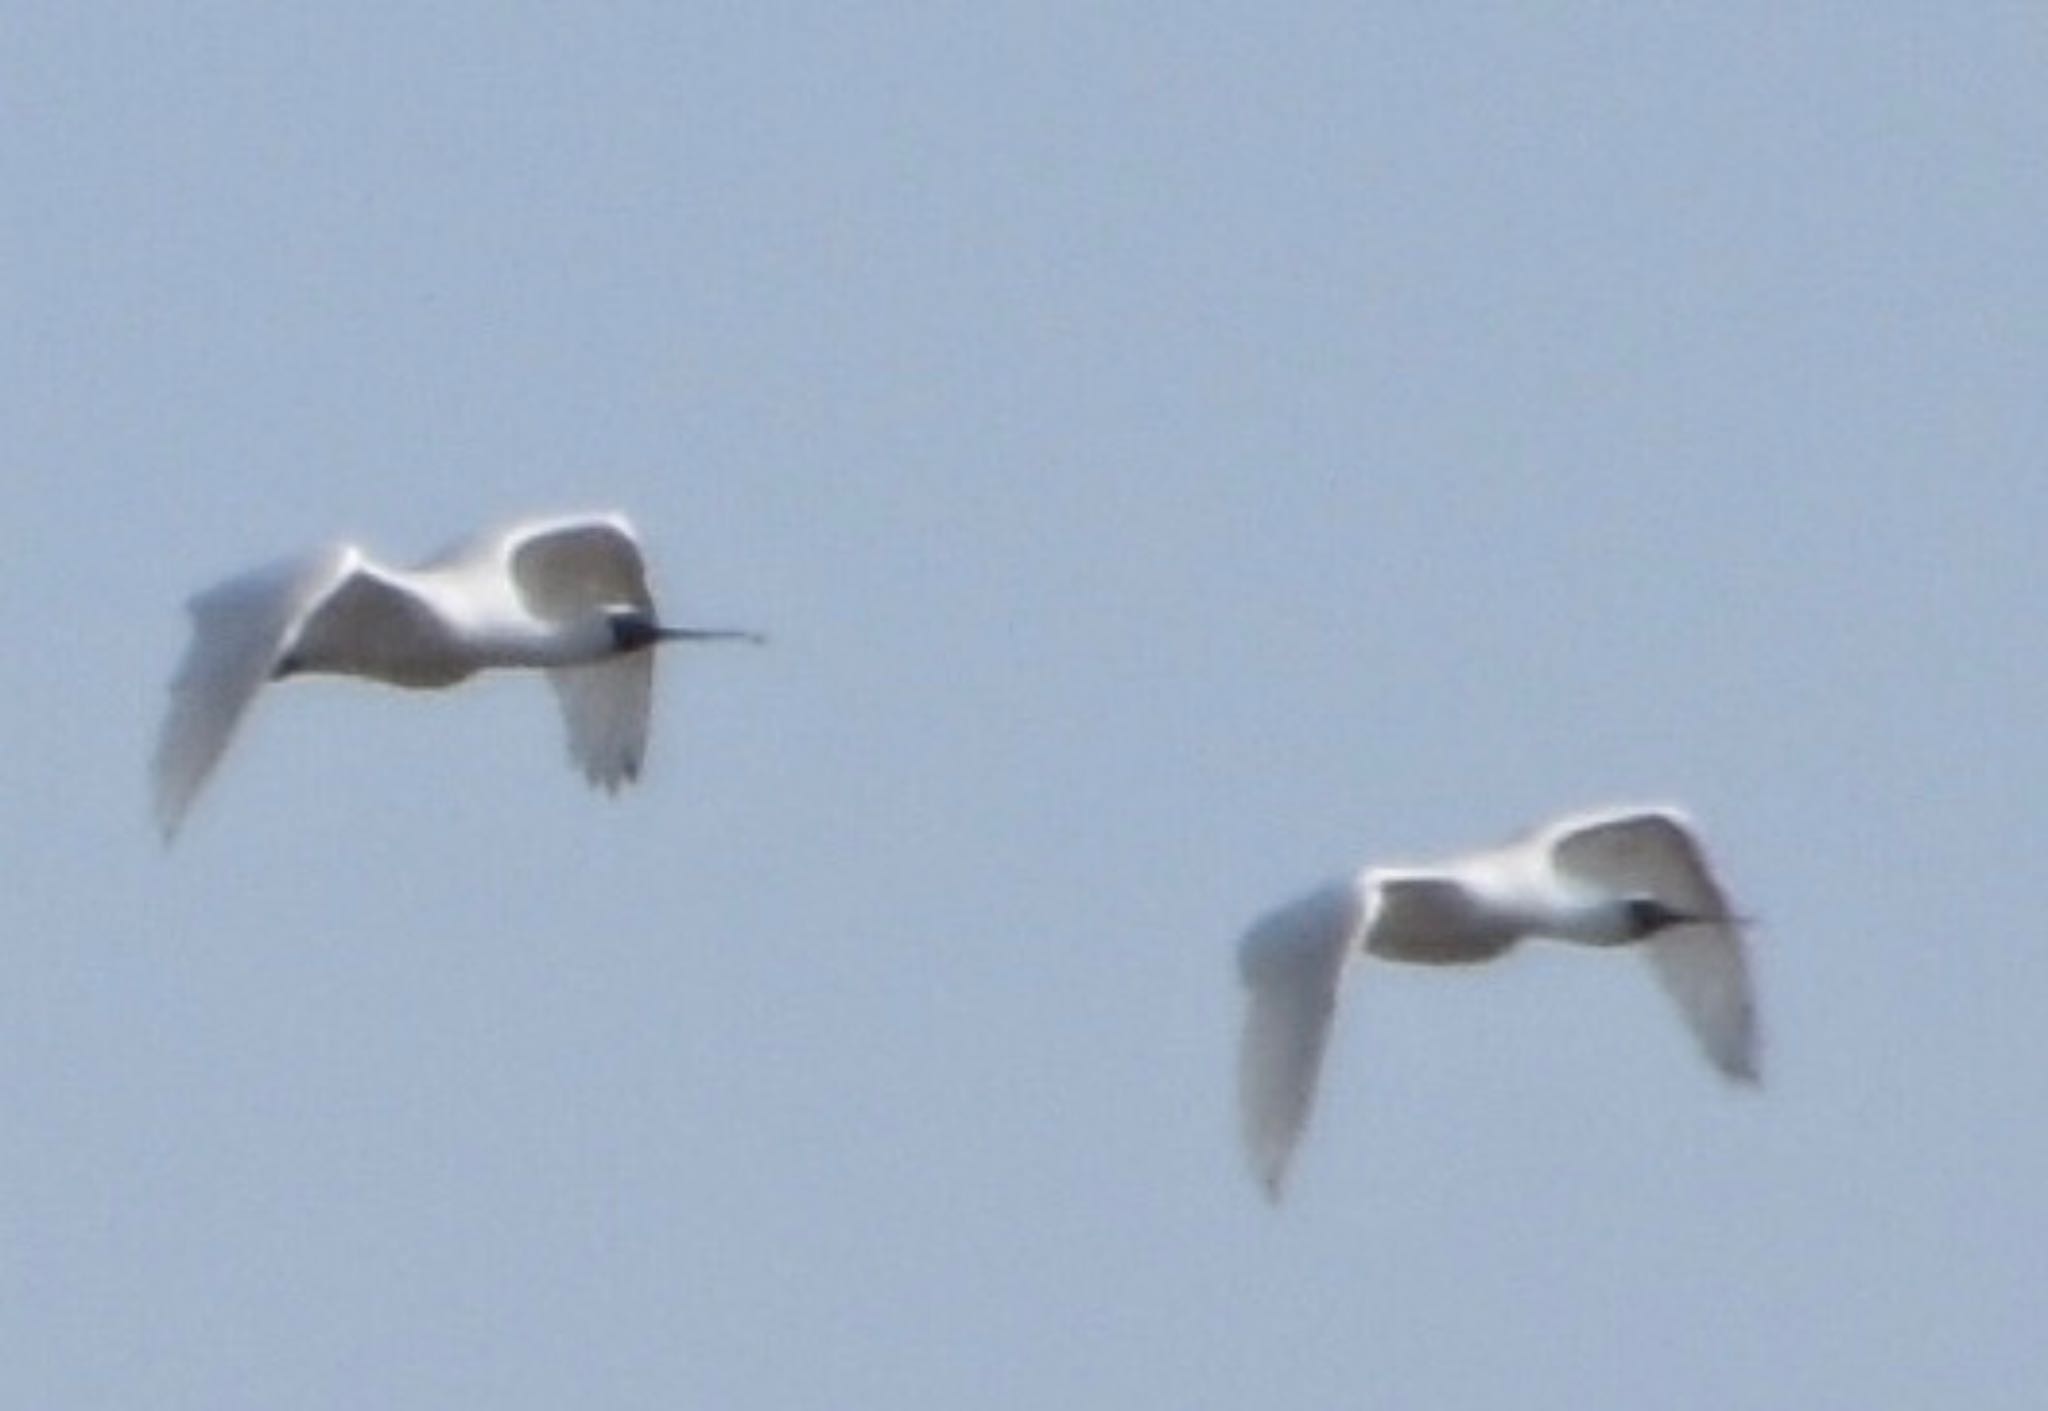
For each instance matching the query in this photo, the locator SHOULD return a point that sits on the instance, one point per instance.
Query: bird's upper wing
(1291, 962)
(240, 629)
(563, 567)
(1703, 967)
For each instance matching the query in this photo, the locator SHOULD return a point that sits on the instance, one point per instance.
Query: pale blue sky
(1178, 456)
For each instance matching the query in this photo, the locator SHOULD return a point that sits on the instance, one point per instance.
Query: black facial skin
(634, 631)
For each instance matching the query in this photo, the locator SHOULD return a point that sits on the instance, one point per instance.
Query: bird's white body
(1579, 879)
(547, 594)
(434, 626)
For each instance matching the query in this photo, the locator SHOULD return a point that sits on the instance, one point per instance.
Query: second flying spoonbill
(1612, 877)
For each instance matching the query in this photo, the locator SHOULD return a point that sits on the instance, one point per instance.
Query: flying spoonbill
(1611, 877)
(566, 595)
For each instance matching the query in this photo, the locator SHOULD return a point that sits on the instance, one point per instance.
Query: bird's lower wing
(1703, 967)
(605, 707)
(239, 629)
(1291, 962)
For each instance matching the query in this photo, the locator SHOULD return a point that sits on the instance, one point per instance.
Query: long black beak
(707, 634)
(1738, 919)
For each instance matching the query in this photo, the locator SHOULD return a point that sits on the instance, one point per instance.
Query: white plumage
(567, 595)
(1610, 877)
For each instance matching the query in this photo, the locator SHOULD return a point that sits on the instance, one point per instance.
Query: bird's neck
(1594, 919)
(1535, 904)
(525, 642)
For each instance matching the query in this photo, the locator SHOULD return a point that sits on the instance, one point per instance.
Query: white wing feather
(565, 567)
(606, 708)
(240, 628)
(1291, 962)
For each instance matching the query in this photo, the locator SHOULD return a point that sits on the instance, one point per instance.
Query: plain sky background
(1180, 453)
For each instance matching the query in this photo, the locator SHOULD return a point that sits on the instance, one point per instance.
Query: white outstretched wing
(1703, 967)
(240, 630)
(562, 568)
(576, 564)
(606, 708)
(1291, 962)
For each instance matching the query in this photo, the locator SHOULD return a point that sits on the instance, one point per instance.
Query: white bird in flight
(1611, 877)
(566, 595)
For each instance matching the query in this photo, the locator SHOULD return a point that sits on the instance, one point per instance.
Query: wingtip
(1738, 1063)
(1269, 1170)
(167, 818)
(611, 781)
